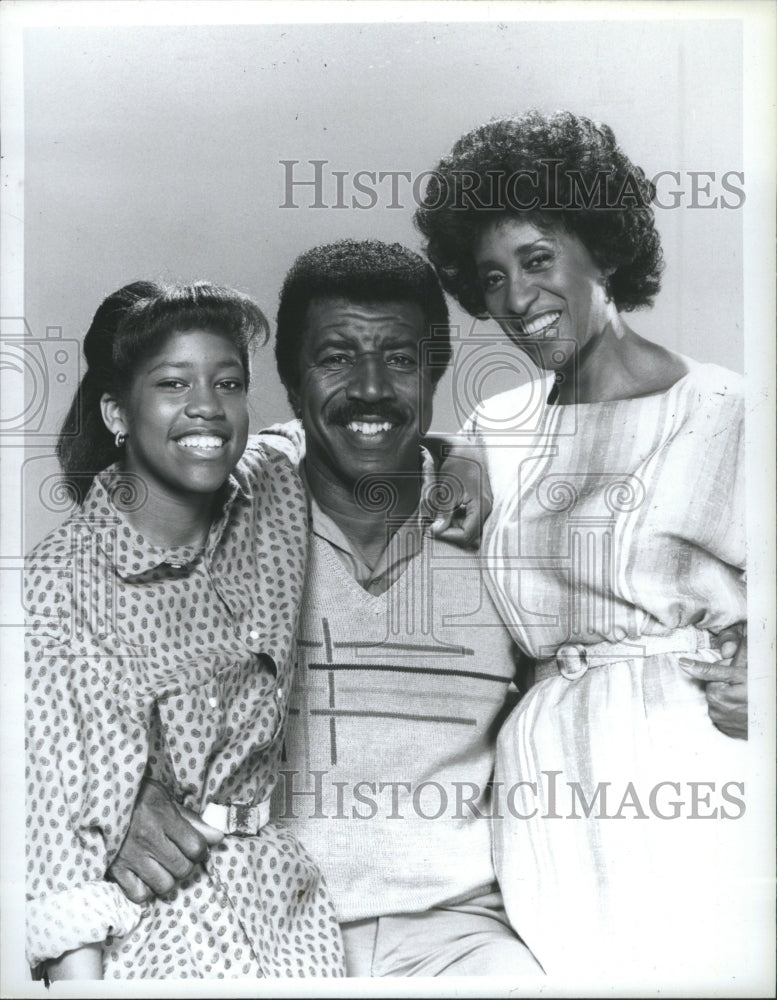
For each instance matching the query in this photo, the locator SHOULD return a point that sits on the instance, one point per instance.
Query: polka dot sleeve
(74, 827)
(61, 921)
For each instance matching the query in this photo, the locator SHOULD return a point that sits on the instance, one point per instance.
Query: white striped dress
(618, 522)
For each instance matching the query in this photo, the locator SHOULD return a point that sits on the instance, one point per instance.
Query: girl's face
(543, 288)
(185, 415)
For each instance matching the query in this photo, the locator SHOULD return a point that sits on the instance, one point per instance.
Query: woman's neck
(619, 364)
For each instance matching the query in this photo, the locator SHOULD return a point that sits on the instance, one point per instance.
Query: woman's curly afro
(557, 168)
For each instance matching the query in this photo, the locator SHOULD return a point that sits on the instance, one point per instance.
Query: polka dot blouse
(175, 664)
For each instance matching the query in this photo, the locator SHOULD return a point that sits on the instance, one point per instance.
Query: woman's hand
(460, 499)
(726, 681)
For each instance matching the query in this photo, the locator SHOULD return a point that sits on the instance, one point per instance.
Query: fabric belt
(573, 660)
(241, 818)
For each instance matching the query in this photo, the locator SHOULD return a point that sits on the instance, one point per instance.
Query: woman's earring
(120, 438)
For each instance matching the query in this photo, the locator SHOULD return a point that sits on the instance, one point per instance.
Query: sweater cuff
(61, 921)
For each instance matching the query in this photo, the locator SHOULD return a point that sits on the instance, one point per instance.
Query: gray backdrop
(156, 152)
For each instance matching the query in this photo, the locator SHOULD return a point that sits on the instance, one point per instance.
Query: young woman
(616, 548)
(161, 628)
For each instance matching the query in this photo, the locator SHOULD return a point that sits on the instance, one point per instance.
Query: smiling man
(352, 323)
(404, 666)
(365, 403)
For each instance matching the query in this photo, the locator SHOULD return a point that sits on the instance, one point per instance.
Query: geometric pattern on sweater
(389, 753)
(327, 663)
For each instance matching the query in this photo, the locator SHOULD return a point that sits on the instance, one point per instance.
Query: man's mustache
(345, 413)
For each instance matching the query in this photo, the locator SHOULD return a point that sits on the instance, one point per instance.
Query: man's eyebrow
(402, 340)
(398, 339)
(333, 339)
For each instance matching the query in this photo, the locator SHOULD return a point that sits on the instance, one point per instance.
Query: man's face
(364, 399)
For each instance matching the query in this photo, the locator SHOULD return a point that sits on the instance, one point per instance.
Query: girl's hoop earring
(120, 438)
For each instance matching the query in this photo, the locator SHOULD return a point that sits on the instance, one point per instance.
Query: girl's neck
(169, 522)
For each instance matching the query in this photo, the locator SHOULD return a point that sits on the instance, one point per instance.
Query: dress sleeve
(61, 921)
(715, 448)
(84, 760)
(733, 542)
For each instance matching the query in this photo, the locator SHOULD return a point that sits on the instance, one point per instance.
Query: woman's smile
(542, 286)
(541, 326)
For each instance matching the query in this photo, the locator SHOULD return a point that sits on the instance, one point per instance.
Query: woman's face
(543, 288)
(186, 415)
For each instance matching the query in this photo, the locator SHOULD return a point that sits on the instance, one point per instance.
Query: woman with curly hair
(615, 550)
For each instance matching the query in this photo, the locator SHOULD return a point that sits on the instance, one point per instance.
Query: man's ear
(113, 414)
(294, 402)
